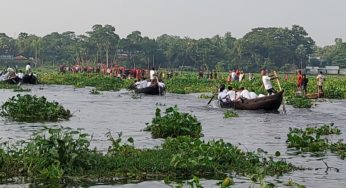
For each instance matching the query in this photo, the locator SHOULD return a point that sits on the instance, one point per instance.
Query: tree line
(273, 47)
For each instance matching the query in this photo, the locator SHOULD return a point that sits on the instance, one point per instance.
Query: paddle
(283, 102)
(211, 99)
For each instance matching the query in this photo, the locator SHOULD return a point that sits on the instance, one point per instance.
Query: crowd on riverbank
(115, 71)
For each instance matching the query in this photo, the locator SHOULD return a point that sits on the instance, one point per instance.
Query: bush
(174, 124)
(29, 108)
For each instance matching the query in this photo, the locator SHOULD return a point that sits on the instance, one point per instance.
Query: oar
(213, 96)
(283, 102)
(211, 99)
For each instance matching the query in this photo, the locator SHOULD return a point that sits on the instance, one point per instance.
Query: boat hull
(268, 103)
(151, 90)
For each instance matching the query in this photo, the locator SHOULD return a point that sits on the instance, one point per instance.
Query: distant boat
(268, 103)
(27, 79)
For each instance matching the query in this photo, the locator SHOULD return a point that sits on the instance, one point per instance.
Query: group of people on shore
(115, 71)
(209, 74)
(302, 83)
(14, 75)
(237, 75)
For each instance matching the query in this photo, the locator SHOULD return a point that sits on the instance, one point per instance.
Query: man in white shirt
(143, 84)
(267, 82)
(28, 69)
(231, 93)
(244, 94)
(253, 95)
(152, 73)
(138, 84)
(161, 84)
(222, 94)
(20, 75)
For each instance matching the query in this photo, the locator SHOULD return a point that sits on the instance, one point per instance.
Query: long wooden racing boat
(268, 103)
(152, 90)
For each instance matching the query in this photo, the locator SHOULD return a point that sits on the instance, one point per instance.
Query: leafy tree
(105, 39)
(7, 45)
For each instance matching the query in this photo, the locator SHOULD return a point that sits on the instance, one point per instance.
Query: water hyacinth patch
(205, 96)
(311, 139)
(230, 114)
(28, 108)
(22, 90)
(94, 92)
(299, 102)
(173, 124)
(64, 155)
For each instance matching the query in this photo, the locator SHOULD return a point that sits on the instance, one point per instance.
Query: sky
(324, 20)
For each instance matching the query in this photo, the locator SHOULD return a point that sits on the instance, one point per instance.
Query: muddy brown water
(120, 112)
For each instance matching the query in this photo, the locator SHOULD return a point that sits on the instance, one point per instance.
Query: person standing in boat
(28, 68)
(267, 82)
(152, 73)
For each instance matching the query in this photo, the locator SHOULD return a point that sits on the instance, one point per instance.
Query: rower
(267, 82)
(244, 94)
(231, 93)
(144, 83)
(222, 94)
(161, 84)
(138, 84)
(253, 95)
(151, 73)
(20, 75)
(28, 68)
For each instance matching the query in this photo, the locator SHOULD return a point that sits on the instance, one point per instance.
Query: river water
(121, 112)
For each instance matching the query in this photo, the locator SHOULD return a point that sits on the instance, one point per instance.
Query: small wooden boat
(314, 95)
(268, 103)
(152, 90)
